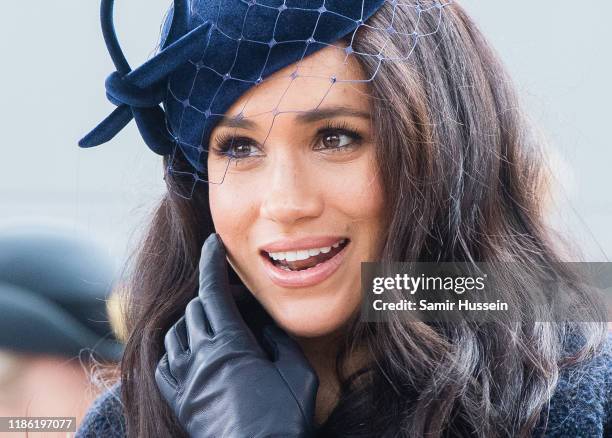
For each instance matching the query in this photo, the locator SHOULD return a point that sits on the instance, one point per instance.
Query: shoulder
(582, 402)
(105, 416)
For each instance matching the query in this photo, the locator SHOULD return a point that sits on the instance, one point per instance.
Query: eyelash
(226, 142)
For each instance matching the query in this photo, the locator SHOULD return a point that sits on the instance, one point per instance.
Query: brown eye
(335, 140)
(235, 148)
(240, 150)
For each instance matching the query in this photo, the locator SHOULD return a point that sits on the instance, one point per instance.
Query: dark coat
(581, 406)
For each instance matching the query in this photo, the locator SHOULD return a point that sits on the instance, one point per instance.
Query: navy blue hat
(213, 51)
(53, 293)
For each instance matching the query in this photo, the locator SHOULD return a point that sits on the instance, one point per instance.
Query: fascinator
(213, 51)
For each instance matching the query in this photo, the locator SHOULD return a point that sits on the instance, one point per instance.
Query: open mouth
(305, 259)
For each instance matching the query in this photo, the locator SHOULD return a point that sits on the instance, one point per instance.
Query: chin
(311, 321)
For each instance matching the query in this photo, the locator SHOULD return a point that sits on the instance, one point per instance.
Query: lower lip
(307, 277)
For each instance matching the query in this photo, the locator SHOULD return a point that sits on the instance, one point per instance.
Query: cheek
(232, 208)
(356, 192)
(232, 216)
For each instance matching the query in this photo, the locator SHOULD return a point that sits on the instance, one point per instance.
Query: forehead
(328, 77)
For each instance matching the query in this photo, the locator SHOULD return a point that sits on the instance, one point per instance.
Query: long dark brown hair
(464, 180)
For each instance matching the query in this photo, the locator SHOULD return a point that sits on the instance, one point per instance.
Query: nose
(292, 193)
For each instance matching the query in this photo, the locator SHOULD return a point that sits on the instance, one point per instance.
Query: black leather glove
(218, 379)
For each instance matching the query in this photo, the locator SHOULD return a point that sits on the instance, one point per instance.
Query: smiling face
(301, 205)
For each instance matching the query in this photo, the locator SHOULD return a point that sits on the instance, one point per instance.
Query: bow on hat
(138, 93)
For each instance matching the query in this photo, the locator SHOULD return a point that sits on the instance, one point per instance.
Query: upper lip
(300, 243)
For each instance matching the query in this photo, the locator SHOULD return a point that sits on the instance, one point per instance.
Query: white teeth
(292, 256)
(303, 254)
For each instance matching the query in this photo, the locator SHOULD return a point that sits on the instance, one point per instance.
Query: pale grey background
(54, 66)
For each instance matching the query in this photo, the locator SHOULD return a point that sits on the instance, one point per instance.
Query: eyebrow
(303, 117)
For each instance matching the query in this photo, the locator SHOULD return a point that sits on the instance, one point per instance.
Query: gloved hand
(218, 379)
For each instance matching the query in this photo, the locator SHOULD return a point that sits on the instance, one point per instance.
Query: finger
(219, 306)
(180, 329)
(197, 325)
(177, 349)
(174, 342)
(165, 381)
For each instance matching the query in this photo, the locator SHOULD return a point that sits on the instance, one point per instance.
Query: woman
(416, 153)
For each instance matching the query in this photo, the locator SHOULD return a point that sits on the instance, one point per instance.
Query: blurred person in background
(54, 325)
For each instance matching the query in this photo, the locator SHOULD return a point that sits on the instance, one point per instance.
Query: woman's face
(302, 189)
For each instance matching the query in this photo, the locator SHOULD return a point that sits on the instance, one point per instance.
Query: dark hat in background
(53, 292)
